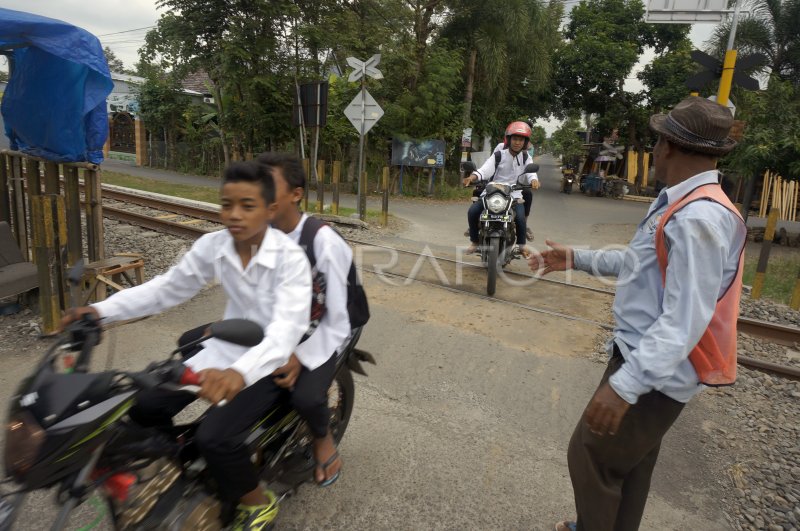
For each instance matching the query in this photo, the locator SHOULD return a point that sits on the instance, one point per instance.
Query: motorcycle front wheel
(494, 251)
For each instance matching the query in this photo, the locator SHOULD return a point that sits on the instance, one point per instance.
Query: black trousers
(222, 433)
(310, 394)
(611, 474)
(527, 196)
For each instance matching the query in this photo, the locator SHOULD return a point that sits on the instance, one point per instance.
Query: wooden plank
(49, 238)
(18, 208)
(5, 201)
(52, 184)
(320, 186)
(763, 259)
(72, 197)
(94, 215)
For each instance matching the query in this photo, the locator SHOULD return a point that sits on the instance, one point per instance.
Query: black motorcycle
(68, 429)
(567, 179)
(497, 230)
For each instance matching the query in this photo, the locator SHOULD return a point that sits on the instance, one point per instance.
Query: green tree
(114, 63)
(772, 131)
(565, 140)
(538, 137)
(604, 41)
(507, 46)
(162, 107)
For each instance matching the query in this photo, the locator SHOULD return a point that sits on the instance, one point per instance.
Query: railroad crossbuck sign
(362, 68)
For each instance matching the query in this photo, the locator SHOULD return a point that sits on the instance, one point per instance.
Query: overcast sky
(122, 24)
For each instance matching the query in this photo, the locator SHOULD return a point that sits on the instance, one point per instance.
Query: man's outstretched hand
(557, 258)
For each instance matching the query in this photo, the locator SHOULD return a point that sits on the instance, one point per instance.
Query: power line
(127, 31)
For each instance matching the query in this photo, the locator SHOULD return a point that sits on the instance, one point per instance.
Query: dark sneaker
(256, 517)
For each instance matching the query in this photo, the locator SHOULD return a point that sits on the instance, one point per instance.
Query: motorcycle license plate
(495, 217)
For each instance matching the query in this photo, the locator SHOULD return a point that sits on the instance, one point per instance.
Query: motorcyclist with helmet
(511, 165)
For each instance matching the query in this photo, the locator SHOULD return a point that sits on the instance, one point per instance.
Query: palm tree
(771, 28)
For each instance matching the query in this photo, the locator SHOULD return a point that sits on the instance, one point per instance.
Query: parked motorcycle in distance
(68, 430)
(497, 232)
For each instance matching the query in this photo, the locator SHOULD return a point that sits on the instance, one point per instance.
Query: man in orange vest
(675, 309)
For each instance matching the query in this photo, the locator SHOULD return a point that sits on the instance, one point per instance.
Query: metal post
(362, 181)
(305, 190)
(763, 258)
(729, 63)
(335, 176)
(385, 203)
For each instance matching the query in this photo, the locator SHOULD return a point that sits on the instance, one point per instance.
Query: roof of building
(197, 81)
(136, 80)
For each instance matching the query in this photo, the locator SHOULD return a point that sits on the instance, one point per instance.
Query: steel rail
(777, 333)
(205, 214)
(160, 225)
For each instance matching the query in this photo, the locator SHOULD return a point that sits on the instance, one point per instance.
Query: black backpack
(357, 306)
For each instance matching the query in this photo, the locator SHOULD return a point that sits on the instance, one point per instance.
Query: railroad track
(781, 334)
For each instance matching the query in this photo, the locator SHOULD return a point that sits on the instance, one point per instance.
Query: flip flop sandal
(331, 480)
(566, 525)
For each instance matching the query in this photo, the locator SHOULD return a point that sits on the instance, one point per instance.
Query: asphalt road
(464, 422)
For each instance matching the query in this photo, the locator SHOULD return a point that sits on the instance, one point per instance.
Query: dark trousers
(310, 393)
(527, 196)
(611, 474)
(474, 217)
(310, 396)
(222, 433)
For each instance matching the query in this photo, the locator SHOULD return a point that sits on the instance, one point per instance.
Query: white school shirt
(508, 170)
(273, 291)
(333, 257)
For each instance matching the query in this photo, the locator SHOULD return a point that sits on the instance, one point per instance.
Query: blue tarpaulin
(55, 104)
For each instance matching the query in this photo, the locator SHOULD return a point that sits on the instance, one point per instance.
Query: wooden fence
(780, 194)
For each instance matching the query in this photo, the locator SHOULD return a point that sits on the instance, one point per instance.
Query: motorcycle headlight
(24, 438)
(496, 203)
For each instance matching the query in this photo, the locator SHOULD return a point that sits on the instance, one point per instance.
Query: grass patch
(186, 191)
(780, 278)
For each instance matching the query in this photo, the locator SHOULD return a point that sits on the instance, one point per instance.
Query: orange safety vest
(714, 356)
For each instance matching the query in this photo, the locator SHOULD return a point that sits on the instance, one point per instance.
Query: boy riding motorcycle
(512, 162)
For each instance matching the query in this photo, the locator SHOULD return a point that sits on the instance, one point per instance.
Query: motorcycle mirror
(531, 168)
(237, 331)
(468, 167)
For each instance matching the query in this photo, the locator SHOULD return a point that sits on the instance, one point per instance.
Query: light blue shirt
(657, 327)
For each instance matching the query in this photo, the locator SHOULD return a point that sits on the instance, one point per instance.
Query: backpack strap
(497, 156)
(310, 229)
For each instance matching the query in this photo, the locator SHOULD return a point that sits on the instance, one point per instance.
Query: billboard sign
(420, 153)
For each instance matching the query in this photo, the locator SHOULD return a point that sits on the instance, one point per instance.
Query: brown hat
(697, 124)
